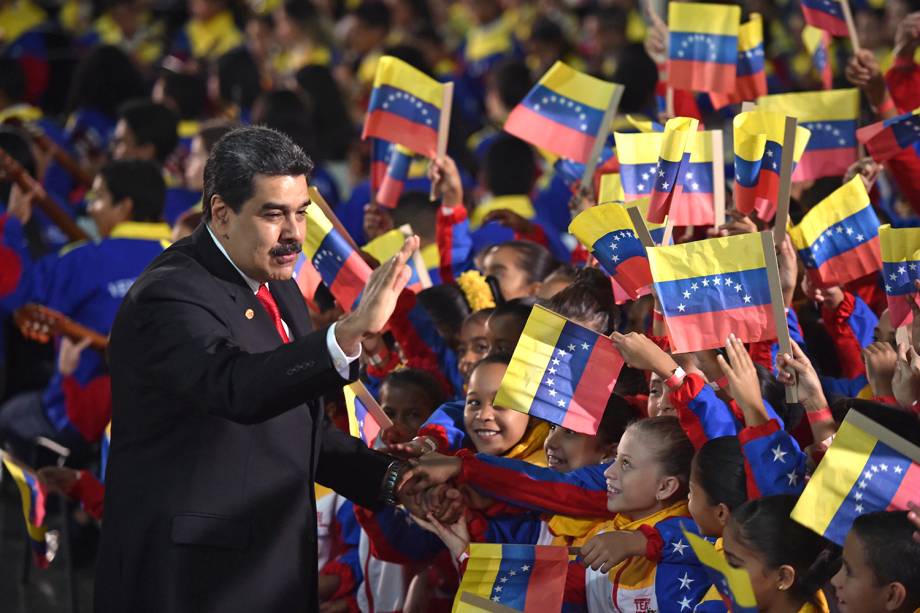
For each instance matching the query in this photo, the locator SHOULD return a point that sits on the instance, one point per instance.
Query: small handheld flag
(560, 372)
(609, 234)
(831, 117)
(563, 112)
(734, 584)
(900, 268)
(838, 238)
(888, 138)
(395, 176)
(825, 14)
(758, 141)
(673, 159)
(702, 46)
(365, 417)
(818, 44)
(33, 509)
(712, 288)
(866, 469)
(389, 244)
(751, 79)
(405, 107)
(611, 189)
(340, 267)
(529, 578)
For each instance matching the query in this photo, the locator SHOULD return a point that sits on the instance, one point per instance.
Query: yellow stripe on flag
(385, 246)
(832, 105)
(714, 256)
(593, 223)
(739, 582)
(899, 244)
(578, 86)
(750, 33)
(318, 226)
(754, 128)
(531, 357)
(676, 135)
(843, 202)
(36, 533)
(611, 189)
(644, 147)
(835, 476)
(642, 204)
(704, 18)
(397, 73)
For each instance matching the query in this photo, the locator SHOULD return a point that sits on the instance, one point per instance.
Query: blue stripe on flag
(403, 103)
(900, 277)
(713, 293)
(563, 110)
(699, 47)
(615, 248)
(849, 233)
(562, 374)
(831, 134)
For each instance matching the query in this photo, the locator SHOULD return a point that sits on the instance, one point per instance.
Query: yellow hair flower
(477, 292)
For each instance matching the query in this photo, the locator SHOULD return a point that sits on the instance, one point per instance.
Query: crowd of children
(112, 107)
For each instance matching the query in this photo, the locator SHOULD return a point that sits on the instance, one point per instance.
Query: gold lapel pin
(249, 313)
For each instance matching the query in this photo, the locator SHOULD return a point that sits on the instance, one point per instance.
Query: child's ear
(895, 595)
(723, 514)
(785, 577)
(667, 487)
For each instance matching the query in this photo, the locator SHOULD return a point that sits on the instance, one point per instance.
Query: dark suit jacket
(217, 439)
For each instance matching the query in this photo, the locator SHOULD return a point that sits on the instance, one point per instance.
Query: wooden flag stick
(371, 405)
(587, 177)
(444, 125)
(317, 199)
(419, 263)
(747, 106)
(779, 306)
(785, 182)
(668, 231)
(484, 604)
(718, 178)
(635, 215)
(669, 102)
(851, 24)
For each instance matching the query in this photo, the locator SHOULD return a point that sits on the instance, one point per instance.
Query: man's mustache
(286, 249)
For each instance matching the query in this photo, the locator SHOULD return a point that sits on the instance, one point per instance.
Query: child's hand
(415, 448)
(445, 178)
(59, 480)
(69, 355)
(796, 369)
(641, 353)
(456, 535)
(881, 360)
(743, 382)
(914, 517)
(606, 550)
(905, 384)
(377, 221)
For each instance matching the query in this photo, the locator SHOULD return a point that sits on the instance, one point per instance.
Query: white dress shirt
(340, 359)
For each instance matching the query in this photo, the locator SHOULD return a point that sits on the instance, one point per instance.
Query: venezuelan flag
(360, 405)
(867, 469)
(394, 180)
(560, 372)
(486, 46)
(611, 189)
(33, 510)
(901, 267)
(702, 46)
(826, 15)
(712, 288)
(655, 229)
(608, 233)
(340, 267)
(381, 152)
(673, 158)
(887, 138)
(838, 238)
(751, 78)
(818, 44)
(571, 171)
(529, 578)
(385, 247)
(638, 155)
(734, 584)
(758, 153)
(405, 107)
(831, 117)
(642, 124)
(563, 112)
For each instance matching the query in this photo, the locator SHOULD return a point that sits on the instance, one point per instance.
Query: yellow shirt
(17, 17)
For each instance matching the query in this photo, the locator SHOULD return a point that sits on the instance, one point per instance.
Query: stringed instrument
(40, 323)
(11, 170)
(58, 154)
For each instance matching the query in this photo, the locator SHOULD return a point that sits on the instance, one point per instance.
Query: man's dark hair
(142, 182)
(512, 81)
(152, 124)
(241, 155)
(510, 168)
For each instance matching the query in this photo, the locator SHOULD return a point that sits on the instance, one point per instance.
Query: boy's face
(858, 589)
(407, 406)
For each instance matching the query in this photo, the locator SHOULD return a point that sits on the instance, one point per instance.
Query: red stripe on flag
(390, 191)
(907, 491)
(546, 586)
(750, 87)
(397, 129)
(634, 274)
(350, 281)
(849, 265)
(819, 163)
(882, 145)
(547, 134)
(589, 399)
(702, 76)
(693, 209)
(709, 330)
(825, 21)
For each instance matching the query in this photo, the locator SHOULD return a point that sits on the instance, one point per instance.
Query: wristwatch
(391, 480)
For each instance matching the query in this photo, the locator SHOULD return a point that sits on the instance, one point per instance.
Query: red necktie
(268, 301)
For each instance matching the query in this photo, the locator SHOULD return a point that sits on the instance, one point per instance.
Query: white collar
(252, 283)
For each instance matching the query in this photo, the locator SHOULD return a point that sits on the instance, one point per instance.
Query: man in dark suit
(217, 428)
